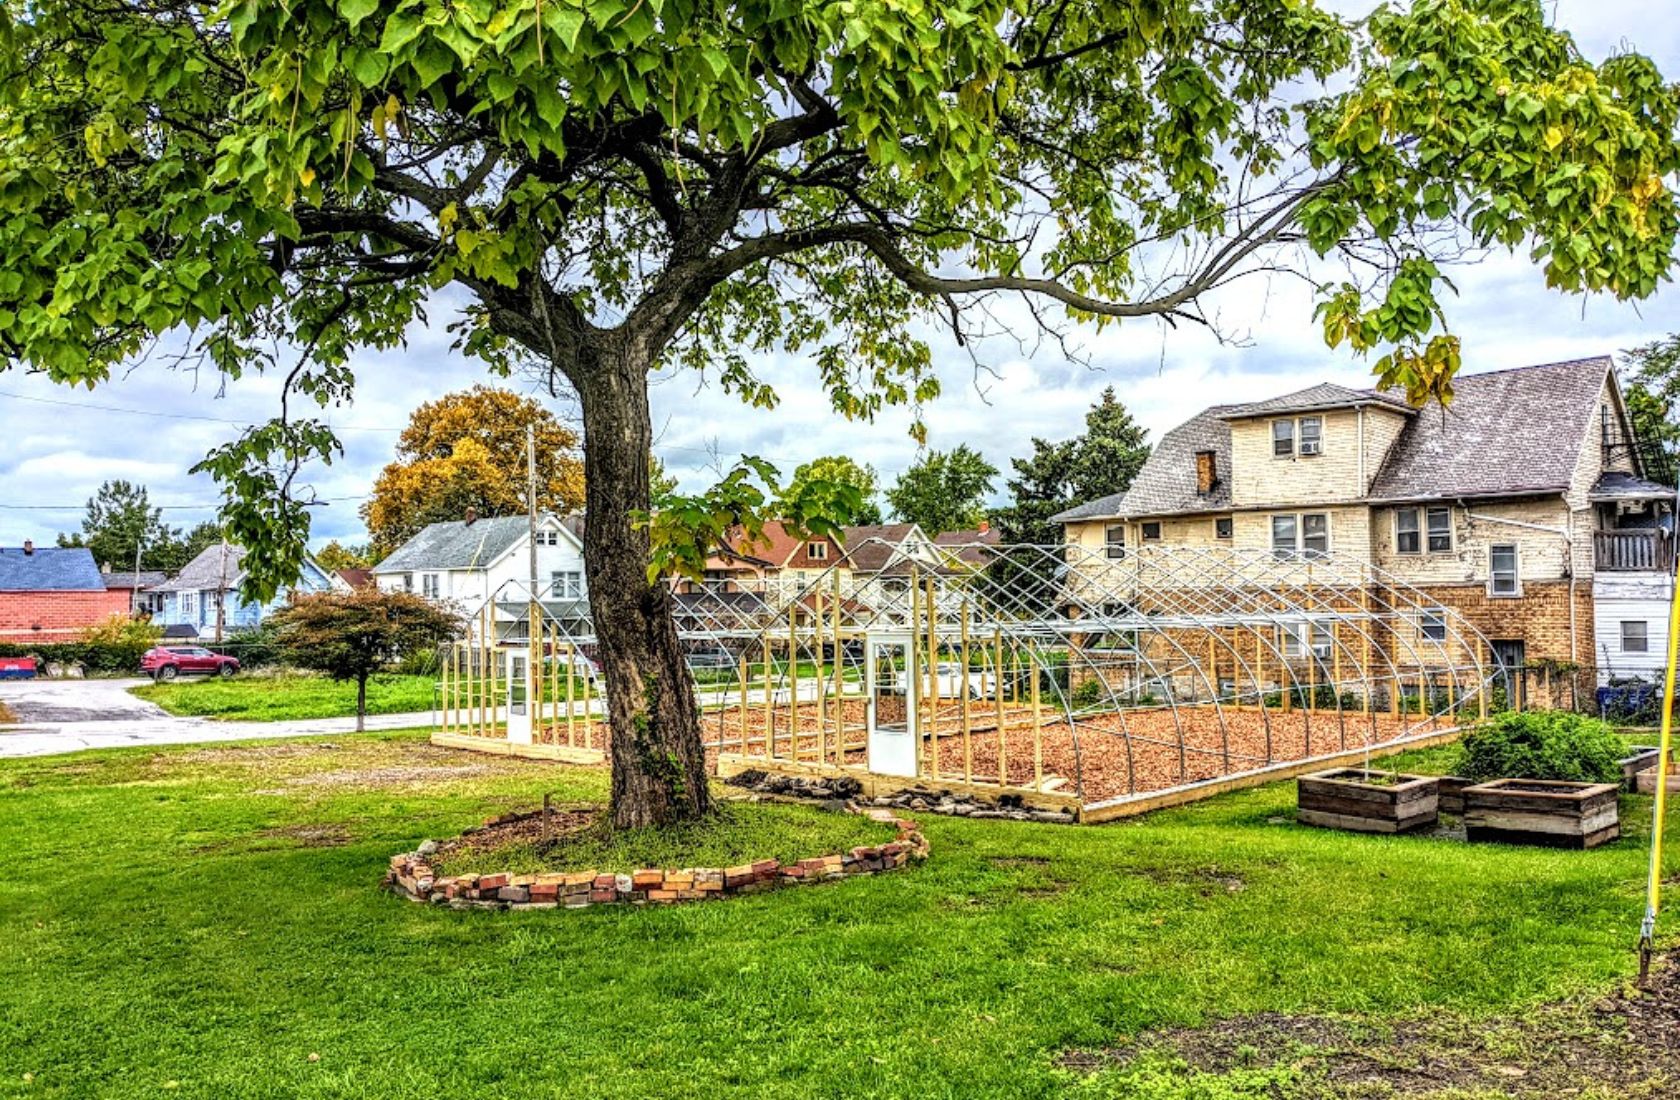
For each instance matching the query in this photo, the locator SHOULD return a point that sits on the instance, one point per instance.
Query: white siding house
(472, 563)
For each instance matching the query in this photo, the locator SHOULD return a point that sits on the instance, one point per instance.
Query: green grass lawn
(266, 698)
(200, 922)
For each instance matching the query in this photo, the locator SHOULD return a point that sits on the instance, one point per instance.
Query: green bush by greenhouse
(1543, 744)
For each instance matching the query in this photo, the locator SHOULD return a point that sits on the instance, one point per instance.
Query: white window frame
(1316, 443)
(1416, 532)
(1432, 624)
(1293, 547)
(1495, 573)
(816, 550)
(566, 584)
(1429, 532)
(1114, 540)
(408, 582)
(430, 586)
(1298, 547)
(189, 605)
(1644, 645)
(1288, 439)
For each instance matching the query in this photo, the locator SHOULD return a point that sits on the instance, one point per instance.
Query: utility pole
(221, 594)
(533, 617)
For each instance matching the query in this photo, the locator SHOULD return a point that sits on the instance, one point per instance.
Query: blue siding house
(211, 581)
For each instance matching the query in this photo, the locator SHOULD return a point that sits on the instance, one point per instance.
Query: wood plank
(1347, 821)
(496, 746)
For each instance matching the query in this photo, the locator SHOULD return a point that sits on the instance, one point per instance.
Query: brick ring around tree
(411, 876)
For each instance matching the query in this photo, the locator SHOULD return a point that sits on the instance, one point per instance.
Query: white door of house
(891, 676)
(519, 699)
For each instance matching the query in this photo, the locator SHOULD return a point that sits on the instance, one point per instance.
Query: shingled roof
(1506, 433)
(1325, 395)
(49, 569)
(208, 570)
(457, 544)
(1167, 482)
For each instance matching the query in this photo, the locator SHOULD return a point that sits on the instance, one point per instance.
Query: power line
(214, 504)
(172, 416)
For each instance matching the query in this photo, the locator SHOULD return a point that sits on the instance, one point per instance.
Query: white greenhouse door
(891, 676)
(518, 699)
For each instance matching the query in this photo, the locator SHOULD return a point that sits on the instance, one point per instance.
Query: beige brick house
(1523, 505)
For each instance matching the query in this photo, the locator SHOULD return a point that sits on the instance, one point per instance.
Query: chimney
(28, 546)
(1207, 472)
(472, 514)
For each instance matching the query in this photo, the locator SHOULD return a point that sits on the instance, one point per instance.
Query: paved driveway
(57, 716)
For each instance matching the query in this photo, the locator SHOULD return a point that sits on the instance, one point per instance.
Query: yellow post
(819, 680)
(1365, 648)
(571, 694)
(1659, 804)
(483, 663)
(967, 745)
(793, 677)
(997, 696)
(588, 715)
(933, 678)
(743, 703)
(1038, 731)
(769, 710)
(450, 683)
(839, 681)
(1259, 672)
(1482, 688)
(1312, 670)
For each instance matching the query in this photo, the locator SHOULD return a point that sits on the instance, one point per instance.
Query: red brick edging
(411, 876)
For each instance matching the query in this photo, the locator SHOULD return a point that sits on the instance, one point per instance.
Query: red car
(165, 662)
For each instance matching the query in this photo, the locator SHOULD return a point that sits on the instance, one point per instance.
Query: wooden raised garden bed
(1544, 812)
(1643, 759)
(1452, 793)
(1367, 802)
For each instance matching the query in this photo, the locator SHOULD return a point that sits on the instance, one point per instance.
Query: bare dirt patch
(385, 776)
(556, 824)
(1618, 1044)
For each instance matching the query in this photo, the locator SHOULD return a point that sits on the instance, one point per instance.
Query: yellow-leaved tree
(467, 450)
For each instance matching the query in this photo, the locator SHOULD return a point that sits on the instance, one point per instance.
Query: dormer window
(816, 551)
(1303, 437)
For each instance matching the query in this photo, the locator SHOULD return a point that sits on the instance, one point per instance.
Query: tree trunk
(361, 702)
(658, 762)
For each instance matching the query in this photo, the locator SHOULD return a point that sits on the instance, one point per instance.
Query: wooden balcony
(1631, 552)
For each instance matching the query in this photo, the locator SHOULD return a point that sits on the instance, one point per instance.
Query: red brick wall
(1539, 617)
(56, 616)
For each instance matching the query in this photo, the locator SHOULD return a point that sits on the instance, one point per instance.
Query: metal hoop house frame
(1055, 675)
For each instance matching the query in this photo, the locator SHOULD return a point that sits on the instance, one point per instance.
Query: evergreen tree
(1058, 476)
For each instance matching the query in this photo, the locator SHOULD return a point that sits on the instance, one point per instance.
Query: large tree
(841, 470)
(1057, 476)
(1652, 389)
(467, 450)
(615, 187)
(944, 490)
(121, 519)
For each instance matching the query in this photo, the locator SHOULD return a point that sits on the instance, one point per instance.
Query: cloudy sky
(151, 423)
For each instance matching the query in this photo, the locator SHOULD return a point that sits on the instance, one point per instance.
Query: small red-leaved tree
(351, 635)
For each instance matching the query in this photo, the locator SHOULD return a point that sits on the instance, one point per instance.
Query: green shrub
(114, 645)
(1089, 692)
(1542, 744)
